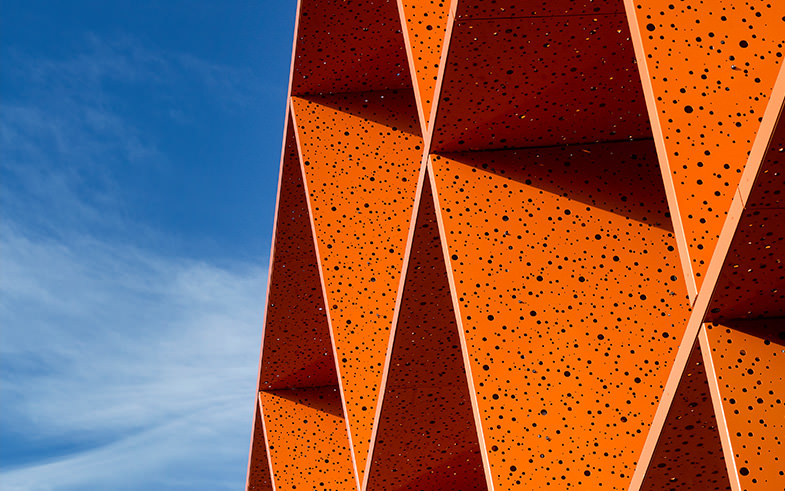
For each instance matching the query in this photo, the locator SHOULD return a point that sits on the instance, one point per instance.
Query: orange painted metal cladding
(713, 67)
(361, 154)
(528, 245)
(690, 439)
(300, 355)
(567, 280)
(306, 433)
(426, 425)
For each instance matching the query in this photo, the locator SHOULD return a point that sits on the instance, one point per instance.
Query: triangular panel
(361, 154)
(749, 359)
(297, 351)
(538, 75)
(426, 437)
(712, 67)
(258, 465)
(572, 304)
(349, 46)
(308, 443)
(513, 9)
(425, 22)
(690, 440)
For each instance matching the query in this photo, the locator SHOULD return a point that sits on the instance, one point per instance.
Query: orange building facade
(528, 245)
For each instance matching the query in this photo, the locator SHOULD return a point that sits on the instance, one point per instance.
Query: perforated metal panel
(572, 307)
(426, 425)
(528, 245)
(690, 438)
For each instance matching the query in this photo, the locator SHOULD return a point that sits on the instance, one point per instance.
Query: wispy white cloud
(121, 366)
(153, 357)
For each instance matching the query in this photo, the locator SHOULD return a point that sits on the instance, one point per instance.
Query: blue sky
(139, 151)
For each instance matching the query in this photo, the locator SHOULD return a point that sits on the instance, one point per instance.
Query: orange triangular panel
(712, 68)
(749, 359)
(309, 446)
(426, 439)
(572, 304)
(425, 22)
(361, 154)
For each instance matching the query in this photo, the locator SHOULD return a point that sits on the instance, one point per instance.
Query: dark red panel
(538, 82)
(258, 466)
(752, 281)
(297, 351)
(770, 182)
(689, 452)
(349, 46)
(426, 438)
(535, 8)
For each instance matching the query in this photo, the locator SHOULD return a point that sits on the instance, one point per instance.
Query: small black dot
(744, 471)
(687, 109)
(743, 44)
(650, 27)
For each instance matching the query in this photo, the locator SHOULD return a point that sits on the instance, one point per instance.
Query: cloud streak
(153, 358)
(122, 366)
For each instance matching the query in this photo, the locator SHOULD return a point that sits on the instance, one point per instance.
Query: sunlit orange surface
(528, 245)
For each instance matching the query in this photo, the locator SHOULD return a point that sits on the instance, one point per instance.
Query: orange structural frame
(528, 245)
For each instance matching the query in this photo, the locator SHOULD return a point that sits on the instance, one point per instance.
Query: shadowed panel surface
(690, 439)
(426, 438)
